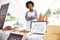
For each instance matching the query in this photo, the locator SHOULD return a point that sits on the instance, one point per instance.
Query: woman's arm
(26, 16)
(36, 16)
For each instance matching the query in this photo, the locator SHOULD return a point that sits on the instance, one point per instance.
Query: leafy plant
(48, 12)
(9, 17)
(56, 11)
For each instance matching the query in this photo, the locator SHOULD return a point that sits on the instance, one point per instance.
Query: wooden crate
(53, 33)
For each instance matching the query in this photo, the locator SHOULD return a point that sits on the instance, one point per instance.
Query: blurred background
(17, 10)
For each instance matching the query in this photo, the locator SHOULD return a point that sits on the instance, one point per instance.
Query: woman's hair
(29, 3)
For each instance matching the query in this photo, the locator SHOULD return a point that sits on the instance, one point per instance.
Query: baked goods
(24, 30)
(7, 28)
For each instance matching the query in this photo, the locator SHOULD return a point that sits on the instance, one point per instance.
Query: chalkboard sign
(3, 12)
(38, 27)
(15, 37)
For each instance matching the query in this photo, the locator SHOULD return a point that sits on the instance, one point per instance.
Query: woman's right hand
(26, 16)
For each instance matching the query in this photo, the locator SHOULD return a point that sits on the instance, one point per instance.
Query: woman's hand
(27, 17)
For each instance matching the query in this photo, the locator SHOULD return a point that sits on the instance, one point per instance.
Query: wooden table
(53, 32)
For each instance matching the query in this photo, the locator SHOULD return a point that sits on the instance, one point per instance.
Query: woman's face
(30, 6)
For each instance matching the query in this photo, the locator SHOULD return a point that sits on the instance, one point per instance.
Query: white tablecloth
(35, 37)
(5, 34)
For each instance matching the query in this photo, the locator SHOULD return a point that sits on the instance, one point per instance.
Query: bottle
(46, 19)
(41, 17)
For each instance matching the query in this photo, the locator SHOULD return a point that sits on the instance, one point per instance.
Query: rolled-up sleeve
(26, 14)
(36, 13)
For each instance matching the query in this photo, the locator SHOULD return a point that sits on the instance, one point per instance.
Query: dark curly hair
(28, 3)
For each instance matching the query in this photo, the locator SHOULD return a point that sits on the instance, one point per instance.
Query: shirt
(32, 15)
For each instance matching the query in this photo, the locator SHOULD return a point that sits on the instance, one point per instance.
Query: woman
(31, 15)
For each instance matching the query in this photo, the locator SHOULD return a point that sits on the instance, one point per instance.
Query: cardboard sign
(38, 27)
(15, 37)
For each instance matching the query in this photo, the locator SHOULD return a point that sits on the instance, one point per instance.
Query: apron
(29, 22)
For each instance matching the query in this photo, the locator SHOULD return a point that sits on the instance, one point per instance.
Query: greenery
(48, 12)
(9, 17)
(56, 11)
